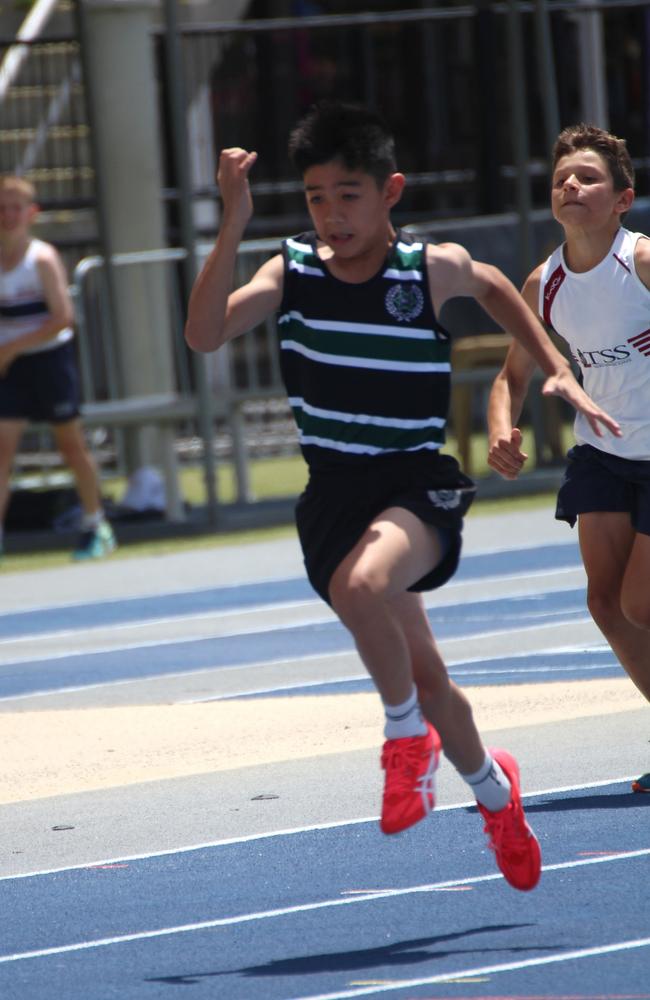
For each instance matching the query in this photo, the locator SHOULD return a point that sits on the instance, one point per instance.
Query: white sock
(90, 522)
(490, 785)
(405, 719)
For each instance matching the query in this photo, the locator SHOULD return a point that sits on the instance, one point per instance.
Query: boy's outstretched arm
(452, 272)
(509, 392)
(215, 313)
(504, 409)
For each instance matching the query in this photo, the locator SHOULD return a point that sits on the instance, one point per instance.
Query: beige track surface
(48, 752)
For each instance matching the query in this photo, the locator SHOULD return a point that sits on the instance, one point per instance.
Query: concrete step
(43, 132)
(54, 133)
(25, 100)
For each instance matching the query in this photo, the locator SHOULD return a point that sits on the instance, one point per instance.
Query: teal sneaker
(95, 543)
(642, 784)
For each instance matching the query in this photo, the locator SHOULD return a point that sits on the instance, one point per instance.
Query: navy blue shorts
(337, 507)
(597, 481)
(42, 387)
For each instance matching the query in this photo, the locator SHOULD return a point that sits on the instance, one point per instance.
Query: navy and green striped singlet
(366, 366)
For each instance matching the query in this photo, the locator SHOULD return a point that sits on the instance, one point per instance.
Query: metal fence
(475, 93)
(246, 367)
(247, 410)
(440, 74)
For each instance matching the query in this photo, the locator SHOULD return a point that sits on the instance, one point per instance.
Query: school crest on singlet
(404, 302)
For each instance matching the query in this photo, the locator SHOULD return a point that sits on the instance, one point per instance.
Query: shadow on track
(397, 953)
(623, 800)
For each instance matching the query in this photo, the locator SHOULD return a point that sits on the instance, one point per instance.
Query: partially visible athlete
(594, 291)
(39, 379)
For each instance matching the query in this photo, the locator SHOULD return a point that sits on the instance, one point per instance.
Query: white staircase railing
(30, 29)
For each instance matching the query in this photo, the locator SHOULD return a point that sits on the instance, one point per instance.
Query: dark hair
(332, 130)
(612, 149)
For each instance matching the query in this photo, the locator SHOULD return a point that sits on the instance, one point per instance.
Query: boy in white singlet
(38, 371)
(594, 291)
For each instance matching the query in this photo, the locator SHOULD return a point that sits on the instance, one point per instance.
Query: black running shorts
(41, 387)
(338, 505)
(595, 481)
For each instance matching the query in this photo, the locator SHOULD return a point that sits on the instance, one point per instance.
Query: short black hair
(351, 133)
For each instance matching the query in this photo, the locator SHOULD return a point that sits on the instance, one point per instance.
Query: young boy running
(366, 365)
(594, 291)
(38, 374)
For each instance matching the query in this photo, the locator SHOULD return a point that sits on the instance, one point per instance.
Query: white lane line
(572, 618)
(176, 674)
(288, 661)
(297, 830)
(185, 619)
(320, 614)
(354, 678)
(269, 581)
(483, 970)
(148, 595)
(286, 911)
(189, 638)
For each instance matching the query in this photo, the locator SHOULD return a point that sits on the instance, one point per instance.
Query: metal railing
(440, 73)
(247, 367)
(243, 371)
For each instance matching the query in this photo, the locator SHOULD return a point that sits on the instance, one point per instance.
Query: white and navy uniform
(41, 384)
(367, 372)
(604, 316)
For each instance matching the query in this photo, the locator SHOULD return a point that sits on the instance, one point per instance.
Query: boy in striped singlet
(38, 371)
(365, 362)
(594, 291)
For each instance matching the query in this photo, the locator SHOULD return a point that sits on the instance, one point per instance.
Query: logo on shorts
(446, 499)
(63, 409)
(404, 302)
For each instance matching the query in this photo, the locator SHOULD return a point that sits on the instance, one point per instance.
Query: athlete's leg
(369, 593)
(443, 703)
(11, 432)
(493, 776)
(609, 549)
(71, 442)
(635, 591)
(392, 632)
(395, 551)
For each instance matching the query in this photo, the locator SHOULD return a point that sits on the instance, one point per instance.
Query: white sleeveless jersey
(604, 316)
(22, 303)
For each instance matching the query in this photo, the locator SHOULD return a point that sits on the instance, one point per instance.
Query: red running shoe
(514, 844)
(409, 790)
